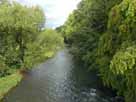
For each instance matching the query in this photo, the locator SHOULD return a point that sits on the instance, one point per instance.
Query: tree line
(24, 41)
(102, 35)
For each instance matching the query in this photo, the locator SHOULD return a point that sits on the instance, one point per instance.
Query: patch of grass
(49, 54)
(8, 82)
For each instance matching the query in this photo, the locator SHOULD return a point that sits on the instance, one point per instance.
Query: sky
(56, 11)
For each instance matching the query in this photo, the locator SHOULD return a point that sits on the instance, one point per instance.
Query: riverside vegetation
(102, 34)
(24, 42)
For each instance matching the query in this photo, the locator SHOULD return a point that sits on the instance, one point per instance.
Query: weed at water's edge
(9, 82)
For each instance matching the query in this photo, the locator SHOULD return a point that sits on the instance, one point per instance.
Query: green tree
(117, 50)
(19, 26)
(85, 26)
(23, 41)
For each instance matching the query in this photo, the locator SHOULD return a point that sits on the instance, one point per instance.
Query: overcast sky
(56, 11)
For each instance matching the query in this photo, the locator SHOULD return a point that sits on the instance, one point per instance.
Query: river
(59, 79)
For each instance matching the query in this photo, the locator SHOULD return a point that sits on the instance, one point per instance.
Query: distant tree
(85, 26)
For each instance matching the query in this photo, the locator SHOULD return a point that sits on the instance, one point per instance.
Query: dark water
(58, 80)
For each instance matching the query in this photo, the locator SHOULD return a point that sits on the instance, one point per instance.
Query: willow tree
(117, 50)
(19, 26)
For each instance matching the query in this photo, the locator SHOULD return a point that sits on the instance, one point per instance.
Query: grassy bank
(8, 82)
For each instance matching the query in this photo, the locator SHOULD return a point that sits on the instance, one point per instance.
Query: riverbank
(59, 79)
(9, 82)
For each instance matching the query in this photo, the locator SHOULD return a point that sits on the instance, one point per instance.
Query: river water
(59, 80)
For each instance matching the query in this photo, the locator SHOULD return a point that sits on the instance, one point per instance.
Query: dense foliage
(23, 42)
(118, 45)
(85, 26)
(102, 35)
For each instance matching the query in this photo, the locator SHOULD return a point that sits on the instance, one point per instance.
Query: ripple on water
(58, 80)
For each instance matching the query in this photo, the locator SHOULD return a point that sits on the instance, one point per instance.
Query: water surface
(58, 80)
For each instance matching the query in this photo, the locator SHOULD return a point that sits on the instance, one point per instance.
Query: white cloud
(56, 11)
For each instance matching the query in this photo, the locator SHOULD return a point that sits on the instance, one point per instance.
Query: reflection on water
(58, 80)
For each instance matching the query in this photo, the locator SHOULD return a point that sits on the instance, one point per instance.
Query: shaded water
(58, 80)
